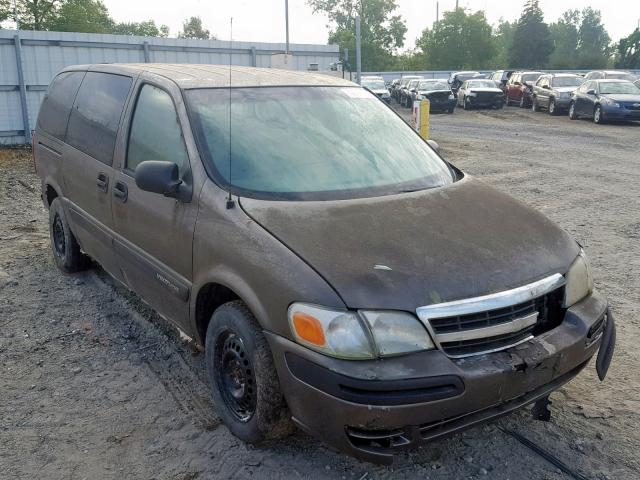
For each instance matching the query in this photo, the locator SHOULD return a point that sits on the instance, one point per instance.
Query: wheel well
(210, 297)
(51, 194)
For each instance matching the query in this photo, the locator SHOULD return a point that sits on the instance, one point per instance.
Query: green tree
(192, 28)
(5, 10)
(593, 41)
(382, 32)
(460, 40)
(628, 51)
(564, 33)
(142, 29)
(532, 42)
(90, 16)
(36, 14)
(503, 39)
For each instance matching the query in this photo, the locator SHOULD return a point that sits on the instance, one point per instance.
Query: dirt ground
(95, 385)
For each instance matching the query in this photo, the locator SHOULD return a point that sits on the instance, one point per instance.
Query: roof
(205, 75)
(610, 80)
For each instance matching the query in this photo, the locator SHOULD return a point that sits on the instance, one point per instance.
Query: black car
(438, 93)
(393, 87)
(606, 100)
(406, 96)
(402, 88)
(480, 93)
(553, 91)
(456, 79)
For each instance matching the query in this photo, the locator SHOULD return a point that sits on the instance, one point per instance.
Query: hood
(565, 89)
(442, 244)
(486, 90)
(380, 91)
(625, 98)
(434, 92)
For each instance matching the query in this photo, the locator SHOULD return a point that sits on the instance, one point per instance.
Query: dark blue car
(606, 100)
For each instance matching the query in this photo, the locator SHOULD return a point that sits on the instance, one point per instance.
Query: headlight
(579, 281)
(357, 335)
(610, 102)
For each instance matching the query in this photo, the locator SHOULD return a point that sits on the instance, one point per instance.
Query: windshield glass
(481, 84)
(374, 84)
(311, 143)
(433, 86)
(619, 87)
(567, 81)
(530, 77)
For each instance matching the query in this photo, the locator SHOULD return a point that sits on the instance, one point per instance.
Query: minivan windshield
(310, 143)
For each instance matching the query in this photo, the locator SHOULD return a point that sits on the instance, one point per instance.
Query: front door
(154, 233)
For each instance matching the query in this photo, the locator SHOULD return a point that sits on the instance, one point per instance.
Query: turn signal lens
(308, 328)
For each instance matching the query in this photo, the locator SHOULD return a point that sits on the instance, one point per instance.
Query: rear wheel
(572, 111)
(553, 110)
(245, 385)
(66, 250)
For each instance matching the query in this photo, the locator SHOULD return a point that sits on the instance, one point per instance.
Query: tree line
(463, 39)
(89, 16)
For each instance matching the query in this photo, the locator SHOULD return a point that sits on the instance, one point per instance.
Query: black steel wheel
(244, 381)
(234, 376)
(64, 246)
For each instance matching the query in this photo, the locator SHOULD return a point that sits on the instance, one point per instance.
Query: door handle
(102, 182)
(120, 191)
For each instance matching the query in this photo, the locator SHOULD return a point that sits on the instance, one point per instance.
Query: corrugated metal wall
(43, 54)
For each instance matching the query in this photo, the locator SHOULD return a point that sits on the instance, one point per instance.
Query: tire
(553, 110)
(597, 115)
(451, 110)
(239, 362)
(534, 105)
(66, 250)
(499, 105)
(572, 111)
(507, 102)
(522, 102)
(466, 103)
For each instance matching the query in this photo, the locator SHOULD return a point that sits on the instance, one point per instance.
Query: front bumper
(374, 409)
(623, 114)
(562, 103)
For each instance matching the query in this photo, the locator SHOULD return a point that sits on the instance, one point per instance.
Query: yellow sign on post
(423, 123)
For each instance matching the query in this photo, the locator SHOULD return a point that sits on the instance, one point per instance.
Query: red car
(519, 88)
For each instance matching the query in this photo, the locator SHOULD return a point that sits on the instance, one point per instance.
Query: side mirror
(546, 87)
(433, 144)
(158, 177)
(591, 92)
(517, 83)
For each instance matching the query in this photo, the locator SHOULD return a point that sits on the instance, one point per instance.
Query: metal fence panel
(43, 54)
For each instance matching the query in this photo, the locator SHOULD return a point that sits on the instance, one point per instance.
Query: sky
(263, 20)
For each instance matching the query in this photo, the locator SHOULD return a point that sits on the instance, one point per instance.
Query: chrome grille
(495, 322)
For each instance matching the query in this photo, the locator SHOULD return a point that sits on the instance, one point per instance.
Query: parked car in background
(609, 75)
(405, 95)
(637, 83)
(480, 93)
(553, 91)
(456, 79)
(501, 77)
(435, 303)
(393, 88)
(519, 88)
(440, 96)
(377, 86)
(403, 86)
(606, 100)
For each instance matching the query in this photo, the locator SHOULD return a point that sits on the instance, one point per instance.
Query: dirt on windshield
(95, 385)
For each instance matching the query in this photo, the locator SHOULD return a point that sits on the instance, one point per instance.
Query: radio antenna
(229, 198)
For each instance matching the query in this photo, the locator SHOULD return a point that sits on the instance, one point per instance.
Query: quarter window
(94, 120)
(155, 131)
(56, 106)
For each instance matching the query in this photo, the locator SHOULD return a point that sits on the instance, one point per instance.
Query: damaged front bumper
(374, 409)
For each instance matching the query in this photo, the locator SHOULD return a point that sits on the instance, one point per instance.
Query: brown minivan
(340, 274)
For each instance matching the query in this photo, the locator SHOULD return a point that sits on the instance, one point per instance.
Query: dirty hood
(437, 245)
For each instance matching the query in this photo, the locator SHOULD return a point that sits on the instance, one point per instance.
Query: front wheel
(523, 104)
(553, 110)
(534, 105)
(597, 115)
(466, 103)
(66, 250)
(572, 111)
(245, 385)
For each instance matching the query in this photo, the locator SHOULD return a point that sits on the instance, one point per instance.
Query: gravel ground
(95, 385)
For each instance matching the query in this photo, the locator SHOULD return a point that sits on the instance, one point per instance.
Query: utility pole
(437, 12)
(456, 4)
(286, 20)
(358, 52)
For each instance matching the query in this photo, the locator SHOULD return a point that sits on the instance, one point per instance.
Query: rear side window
(155, 131)
(95, 117)
(55, 108)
